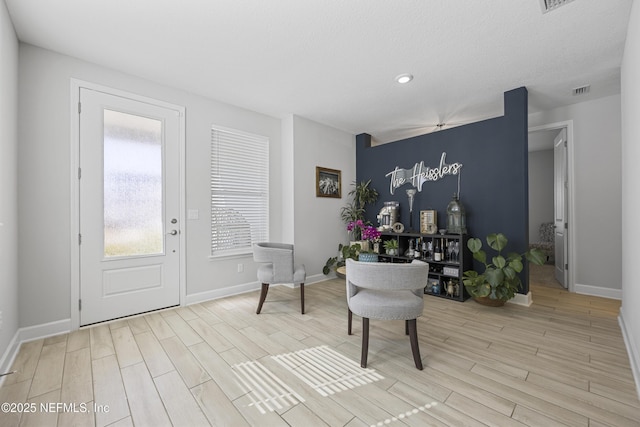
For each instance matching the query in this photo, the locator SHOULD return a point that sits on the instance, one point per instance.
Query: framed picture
(328, 183)
(429, 221)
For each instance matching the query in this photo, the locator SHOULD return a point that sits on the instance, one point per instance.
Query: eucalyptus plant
(499, 280)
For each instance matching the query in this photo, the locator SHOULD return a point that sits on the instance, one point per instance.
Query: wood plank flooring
(560, 362)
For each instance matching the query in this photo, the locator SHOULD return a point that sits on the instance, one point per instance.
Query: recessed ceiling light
(404, 78)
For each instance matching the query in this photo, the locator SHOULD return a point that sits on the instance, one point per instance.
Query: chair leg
(406, 327)
(263, 296)
(349, 321)
(302, 298)
(365, 342)
(413, 337)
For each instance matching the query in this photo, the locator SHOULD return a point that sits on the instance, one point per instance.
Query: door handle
(173, 232)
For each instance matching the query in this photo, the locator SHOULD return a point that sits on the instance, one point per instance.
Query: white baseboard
(317, 278)
(31, 333)
(241, 289)
(632, 350)
(221, 293)
(45, 330)
(522, 299)
(598, 291)
(9, 356)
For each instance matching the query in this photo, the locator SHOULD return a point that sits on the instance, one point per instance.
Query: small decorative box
(450, 271)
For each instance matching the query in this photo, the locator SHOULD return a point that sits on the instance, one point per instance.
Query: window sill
(230, 255)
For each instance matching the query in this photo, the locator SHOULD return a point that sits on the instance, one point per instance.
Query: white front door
(560, 206)
(129, 206)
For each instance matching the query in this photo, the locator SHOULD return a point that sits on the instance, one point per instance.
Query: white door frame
(75, 187)
(570, 196)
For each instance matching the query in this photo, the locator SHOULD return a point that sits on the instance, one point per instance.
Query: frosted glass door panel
(133, 205)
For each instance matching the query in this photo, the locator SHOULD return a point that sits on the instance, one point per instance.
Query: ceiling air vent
(549, 5)
(582, 90)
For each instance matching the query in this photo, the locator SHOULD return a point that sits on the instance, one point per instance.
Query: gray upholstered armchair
(386, 291)
(278, 268)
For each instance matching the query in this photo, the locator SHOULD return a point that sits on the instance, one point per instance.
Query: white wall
(45, 181)
(629, 313)
(318, 228)
(540, 191)
(287, 177)
(597, 182)
(8, 186)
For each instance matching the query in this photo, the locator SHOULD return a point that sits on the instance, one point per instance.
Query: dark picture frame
(328, 182)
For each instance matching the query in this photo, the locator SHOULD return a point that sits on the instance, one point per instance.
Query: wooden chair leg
(349, 321)
(406, 327)
(263, 296)
(365, 342)
(413, 337)
(302, 298)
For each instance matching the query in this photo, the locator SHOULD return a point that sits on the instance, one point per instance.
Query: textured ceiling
(334, 61)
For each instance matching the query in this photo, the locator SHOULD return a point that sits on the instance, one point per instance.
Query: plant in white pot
(499, 281)
(391, 246)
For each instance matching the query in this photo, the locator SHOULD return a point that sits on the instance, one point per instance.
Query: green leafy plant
(362, 195)
(347, 251)
(352, 214)
(390, 245)
(499, 280)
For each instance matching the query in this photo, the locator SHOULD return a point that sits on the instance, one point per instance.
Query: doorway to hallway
(550, 148)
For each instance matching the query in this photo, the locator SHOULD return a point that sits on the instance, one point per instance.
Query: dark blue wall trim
(494, 180)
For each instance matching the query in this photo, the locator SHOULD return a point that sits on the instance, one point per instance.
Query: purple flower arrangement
(370, 233)
(362, 231)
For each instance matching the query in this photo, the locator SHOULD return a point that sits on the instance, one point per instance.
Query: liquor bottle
(437, 252)
(410, 251)
(445, 251)
(416, 252)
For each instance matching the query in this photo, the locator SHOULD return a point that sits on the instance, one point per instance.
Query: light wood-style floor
(561, 361)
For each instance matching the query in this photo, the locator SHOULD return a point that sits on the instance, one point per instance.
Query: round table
(341, 272)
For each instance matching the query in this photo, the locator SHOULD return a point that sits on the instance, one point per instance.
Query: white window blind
(239, 191)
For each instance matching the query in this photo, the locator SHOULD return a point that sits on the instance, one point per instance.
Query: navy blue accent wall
(493, 182)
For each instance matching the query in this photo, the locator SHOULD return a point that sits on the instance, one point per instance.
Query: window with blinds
(239, 191)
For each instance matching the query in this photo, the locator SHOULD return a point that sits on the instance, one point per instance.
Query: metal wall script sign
(420, 174)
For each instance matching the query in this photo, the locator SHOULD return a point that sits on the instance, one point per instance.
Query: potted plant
(352, 214)
(370, 235)
(355, 229)
(499, 281)
(363, 234)
(361, 195)
(391, 246)
(346, 251)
